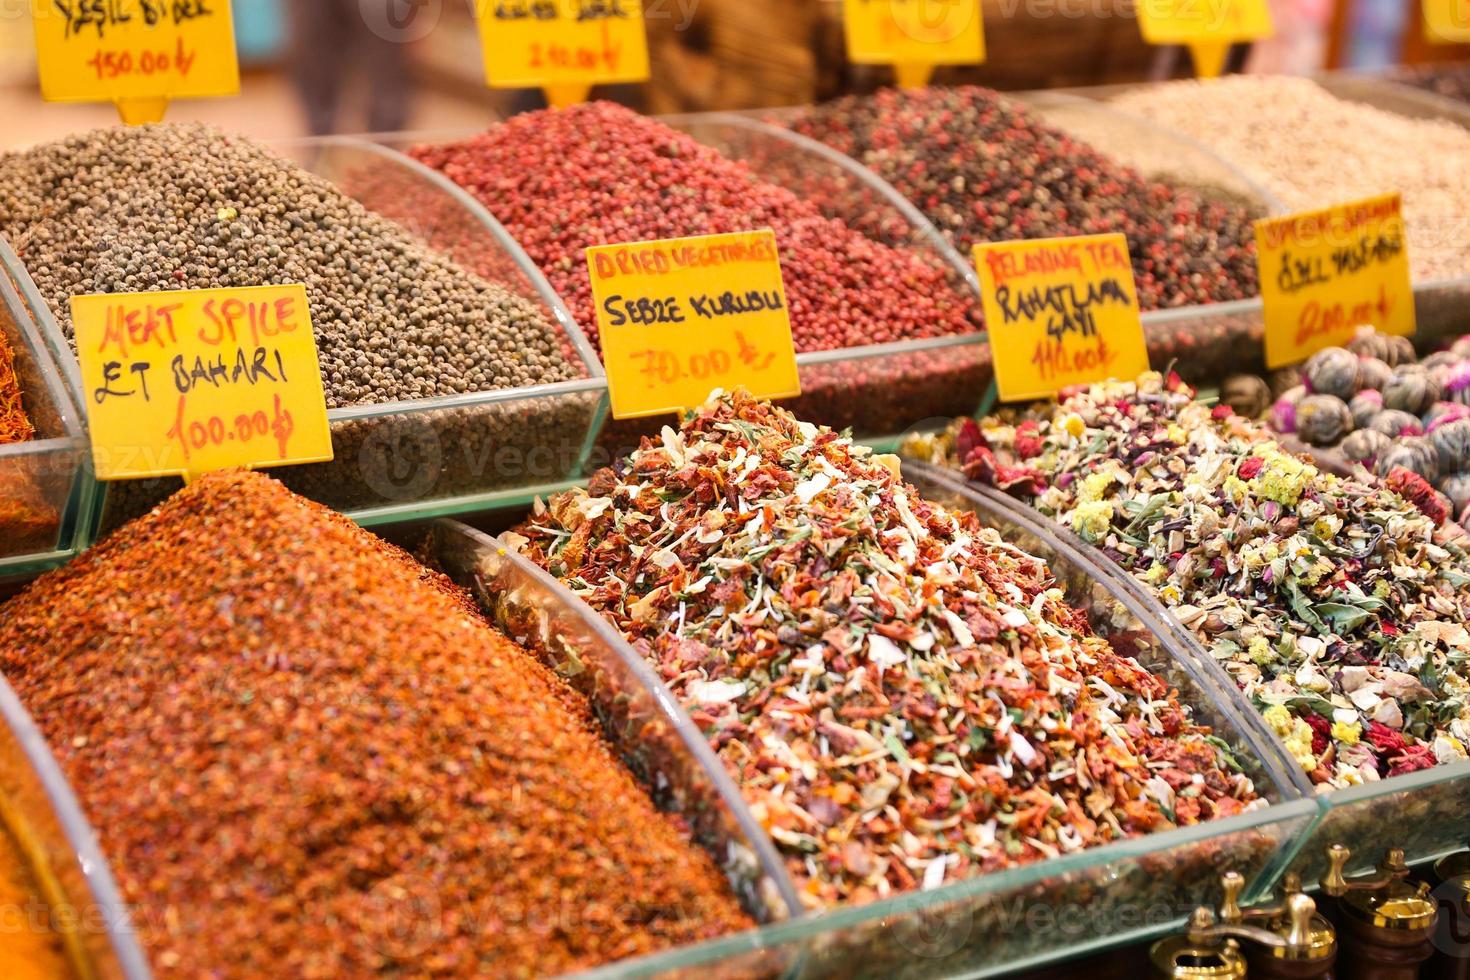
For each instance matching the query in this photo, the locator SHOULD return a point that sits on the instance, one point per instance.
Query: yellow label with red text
(189, 381)
(918, 32)
(1060, 312)
(1325, 273)
(681, 317)
(1447, 21)
(120, 50)
(538, 43)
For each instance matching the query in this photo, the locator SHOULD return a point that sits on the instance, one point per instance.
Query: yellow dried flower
(1346, 731)
(1156, 573)
(1278, 718)
(1262, 653)
(1092, 518)
(1284, 477)
(1094, 486)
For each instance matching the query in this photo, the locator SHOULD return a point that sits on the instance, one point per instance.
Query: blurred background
(363, 65)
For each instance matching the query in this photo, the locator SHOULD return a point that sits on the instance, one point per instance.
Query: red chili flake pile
(984, 168)
(903, 698)
(307, 755)
(596, 174)
(14, 425)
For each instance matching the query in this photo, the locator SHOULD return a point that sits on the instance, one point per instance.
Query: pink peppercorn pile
(984, 168)
(598, 174)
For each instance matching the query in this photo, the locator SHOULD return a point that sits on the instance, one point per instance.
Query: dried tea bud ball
(1246, 394)
(1400, 351)
(1452, 442)
(1322, 420)
(1411, 389)
(1283, 413)
(1394, 423)
(1333, 371)
(1456, 486)
(1373, 373)
(1461, 346)
(1365, 405)
(1414, 454)
(1285, 379)
(1457, 384)
(1441, 359)
(1365, 446)
(1370, 343)
(1443, 413)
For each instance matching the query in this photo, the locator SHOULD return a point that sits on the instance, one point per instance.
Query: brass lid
(1179, 958)
(1321, 943)
(1398, 906)
(1452, 866)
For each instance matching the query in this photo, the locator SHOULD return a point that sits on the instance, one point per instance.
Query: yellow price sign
(562, 46)
(1447, 21)
(1207, 27)
(1060, 312)
(136, 53)
(914, 35)
(1325, 273)
(194, 380)
(681, 317)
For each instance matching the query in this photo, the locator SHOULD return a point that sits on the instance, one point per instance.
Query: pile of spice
(14, 425)
(1332, 602)
(1451, 81)
(984, 168)
(1373, 403)
(306, 754)
(903, 699)
(596, 174)
(183, 206)
(1313, 150)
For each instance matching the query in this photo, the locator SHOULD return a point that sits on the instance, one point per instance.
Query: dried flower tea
(903, 699)
(306, 755)
(1332, 602)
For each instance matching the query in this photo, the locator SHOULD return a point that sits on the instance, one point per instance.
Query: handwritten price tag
(562, 46)
(137, 53)
(195, 380)
(1447, 21)
(1325, 273)
(1060, 312)
(684, 316)
(914, 35)
(1207, 27)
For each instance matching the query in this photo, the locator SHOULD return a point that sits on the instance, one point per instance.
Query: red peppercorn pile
(306, 755)
(562, 180)
(983, 168)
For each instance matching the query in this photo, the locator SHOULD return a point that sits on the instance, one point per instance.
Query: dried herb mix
(595, 174)
(1332, 602)
(986, 168)
(183, 206)
(904, 699)
(306, 754)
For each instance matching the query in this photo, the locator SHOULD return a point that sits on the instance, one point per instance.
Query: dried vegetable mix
(903, 698)
(986, 168)
(307, 755)
(563, 180)
(1332, 602)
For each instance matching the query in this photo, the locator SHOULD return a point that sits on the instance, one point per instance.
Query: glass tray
(1028, 916)
(44, 499)
(405, 458)
(1422, 812)
(73, 882)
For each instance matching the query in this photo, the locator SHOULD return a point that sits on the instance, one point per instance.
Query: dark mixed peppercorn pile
(306, 755)
(600, 174)
(984, 168)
